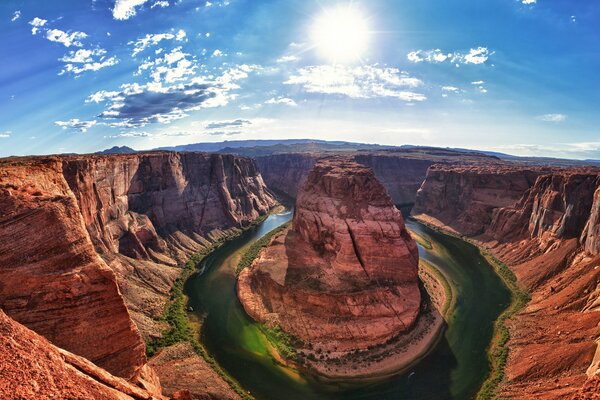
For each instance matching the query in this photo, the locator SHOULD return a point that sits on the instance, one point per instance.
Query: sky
(516, 76)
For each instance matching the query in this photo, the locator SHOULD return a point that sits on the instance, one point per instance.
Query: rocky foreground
(545, 224)
(343, 279)
(90, 247)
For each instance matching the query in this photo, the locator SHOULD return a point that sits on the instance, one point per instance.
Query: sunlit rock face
(344, 276)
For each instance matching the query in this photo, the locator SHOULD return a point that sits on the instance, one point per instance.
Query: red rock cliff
(148, 212)
(548, 235)
(345, 276)
(51, 279)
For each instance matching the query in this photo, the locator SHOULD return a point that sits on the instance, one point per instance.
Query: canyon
(343, 278)
(92, 245)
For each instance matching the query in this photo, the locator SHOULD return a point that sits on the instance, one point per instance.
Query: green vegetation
(256, 247)
(284, 343)
(499, 347)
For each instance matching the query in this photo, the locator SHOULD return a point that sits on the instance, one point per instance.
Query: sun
(341, 34)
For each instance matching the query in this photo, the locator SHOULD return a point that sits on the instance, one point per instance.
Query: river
(454, 370)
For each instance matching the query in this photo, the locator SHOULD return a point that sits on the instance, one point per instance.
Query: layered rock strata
(147, 213)
(343, 278)
(548, 236)
(52, 280)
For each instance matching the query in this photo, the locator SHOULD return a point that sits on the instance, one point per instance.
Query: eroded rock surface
(344, 276)
(52, 280)
(548, 235)
(33, 368)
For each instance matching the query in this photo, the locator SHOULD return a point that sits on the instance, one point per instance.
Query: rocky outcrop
(51, 279)
(548, 236)
(181, 368)
(344, 276)
(33, 368)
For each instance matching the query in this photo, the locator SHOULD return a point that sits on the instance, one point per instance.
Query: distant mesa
(118, 150)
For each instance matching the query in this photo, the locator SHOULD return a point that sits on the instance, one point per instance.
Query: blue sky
(518, 76)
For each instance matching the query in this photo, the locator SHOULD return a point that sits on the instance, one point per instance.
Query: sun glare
(341, 34)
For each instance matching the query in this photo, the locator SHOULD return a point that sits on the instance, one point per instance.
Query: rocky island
(343, 280)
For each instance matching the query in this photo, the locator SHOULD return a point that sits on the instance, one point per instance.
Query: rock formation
(344, 276)
(548, 235)
(85, 238)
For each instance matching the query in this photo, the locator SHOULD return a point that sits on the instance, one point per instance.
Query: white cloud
(129, 135)
(81, 126)
(4, 135)
(477, 55)
(282, 100)
(161, 4)
(286, 59)
(477, 83)
(552, 117)
(37, 23)
(83, 55)
(364, 82)
(125, 9)
(66, 39)
(453, 89)
(91, 60)
(153, 39)
(528, 1)
(16, 16)
(218, 53)
(91, 66)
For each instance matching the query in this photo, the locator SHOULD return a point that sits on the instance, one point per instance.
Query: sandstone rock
(345, 276)
(51, 278)
(401, 171)
(33, 368)
(146, 213)
(73, 227)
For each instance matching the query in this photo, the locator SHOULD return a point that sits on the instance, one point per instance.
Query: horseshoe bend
(343, 277)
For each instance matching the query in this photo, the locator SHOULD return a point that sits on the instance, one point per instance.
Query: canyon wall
(51, 279)
(544, 224)
(89, 242)
(400, 171)
(147, 213)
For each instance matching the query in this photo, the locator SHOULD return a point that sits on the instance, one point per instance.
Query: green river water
(454, 370)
